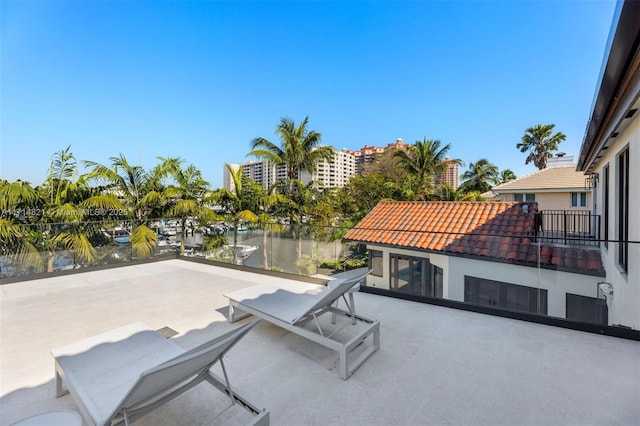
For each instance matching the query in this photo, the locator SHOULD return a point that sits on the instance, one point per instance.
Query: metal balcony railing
(568, 227)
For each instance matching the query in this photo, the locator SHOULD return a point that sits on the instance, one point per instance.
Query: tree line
(69, 210)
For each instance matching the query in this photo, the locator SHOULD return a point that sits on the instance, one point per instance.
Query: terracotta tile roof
(494, 231)
(561, 178)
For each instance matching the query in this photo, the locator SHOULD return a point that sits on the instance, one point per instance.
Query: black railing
(569, 227)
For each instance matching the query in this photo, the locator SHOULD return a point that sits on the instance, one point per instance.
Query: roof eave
(619, 83)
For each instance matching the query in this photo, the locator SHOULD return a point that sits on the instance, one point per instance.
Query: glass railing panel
(562, 277)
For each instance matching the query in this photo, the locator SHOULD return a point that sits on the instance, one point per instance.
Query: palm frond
(143, 241)
(76, 241)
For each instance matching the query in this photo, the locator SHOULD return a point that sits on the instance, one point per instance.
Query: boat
(169, 232)
(119, 235)
(243, 251)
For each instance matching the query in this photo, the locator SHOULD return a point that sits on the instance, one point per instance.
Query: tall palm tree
(69, 205)
(506, 175)
(140, 194)
(480, 176)
(299, 149)
(268, 202)
(185, 198)
(237, 203)
(540, 142)
(426, 160)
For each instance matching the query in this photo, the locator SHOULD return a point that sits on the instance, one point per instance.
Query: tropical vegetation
(540, 142)
(73, 212)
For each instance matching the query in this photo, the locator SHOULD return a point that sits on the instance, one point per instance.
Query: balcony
(569, 227)
(436, 365)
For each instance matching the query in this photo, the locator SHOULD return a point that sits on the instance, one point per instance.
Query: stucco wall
(556, 283)
(553, 200)
(624, 305)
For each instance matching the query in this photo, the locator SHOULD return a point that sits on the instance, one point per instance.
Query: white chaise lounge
(121, 375)
(293, 304)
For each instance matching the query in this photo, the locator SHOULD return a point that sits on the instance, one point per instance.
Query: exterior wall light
(606, 289)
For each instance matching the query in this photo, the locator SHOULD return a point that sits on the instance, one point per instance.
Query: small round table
(52, 418)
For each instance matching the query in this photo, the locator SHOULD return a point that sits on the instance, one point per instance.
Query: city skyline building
(451, 176)
(331, 174)
(334, 173)
(367, 154)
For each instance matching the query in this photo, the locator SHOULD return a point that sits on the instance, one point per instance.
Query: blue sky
(201, 79)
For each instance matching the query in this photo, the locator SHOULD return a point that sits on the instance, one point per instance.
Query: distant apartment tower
(258, 171)
(336, 172)
(227, 181)
(332, 174)
(451, 176)
(367, 153)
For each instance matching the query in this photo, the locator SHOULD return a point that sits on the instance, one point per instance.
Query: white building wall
(227, 182)
(557, 283)
(624, 304)
(337, 171)
(332, 174)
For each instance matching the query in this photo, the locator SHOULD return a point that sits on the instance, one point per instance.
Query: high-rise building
(337, 172)
(451, 176)
(227, 181)
(367, 153)
(332, 174)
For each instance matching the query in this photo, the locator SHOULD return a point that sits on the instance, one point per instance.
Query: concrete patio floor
(436, 365)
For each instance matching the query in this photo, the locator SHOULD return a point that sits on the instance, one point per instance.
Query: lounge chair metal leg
(317, 324)
(226, 379)
(344, 373)
(235, 313)
(60, 389)
(352, 308)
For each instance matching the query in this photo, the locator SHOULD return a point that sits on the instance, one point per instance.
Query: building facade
(336, 172)
(331, 174)
(557, 187)
(609, 157)
(451, 176)
(367, 154)
(480, 253)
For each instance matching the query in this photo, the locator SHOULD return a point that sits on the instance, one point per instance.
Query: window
(605, 204)
(578, 199)
(375, 260)
(623, 210)
(587, 309)
(521, 198)
(497, 294)
(415, 275)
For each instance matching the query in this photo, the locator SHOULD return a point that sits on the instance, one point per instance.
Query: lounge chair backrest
(338, 287)
(158, 380)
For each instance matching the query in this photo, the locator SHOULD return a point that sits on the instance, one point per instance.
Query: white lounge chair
(121, 375)
(293, 304)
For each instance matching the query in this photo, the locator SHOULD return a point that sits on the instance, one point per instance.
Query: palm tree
(236, 203)
(269, 201)
(425, 160)
(298, 151)
(480, 176)
(141, 194)
(448, 193)
(68, 202)
(16, 233)
(540, 141)
(186, 195)
(506, 175)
